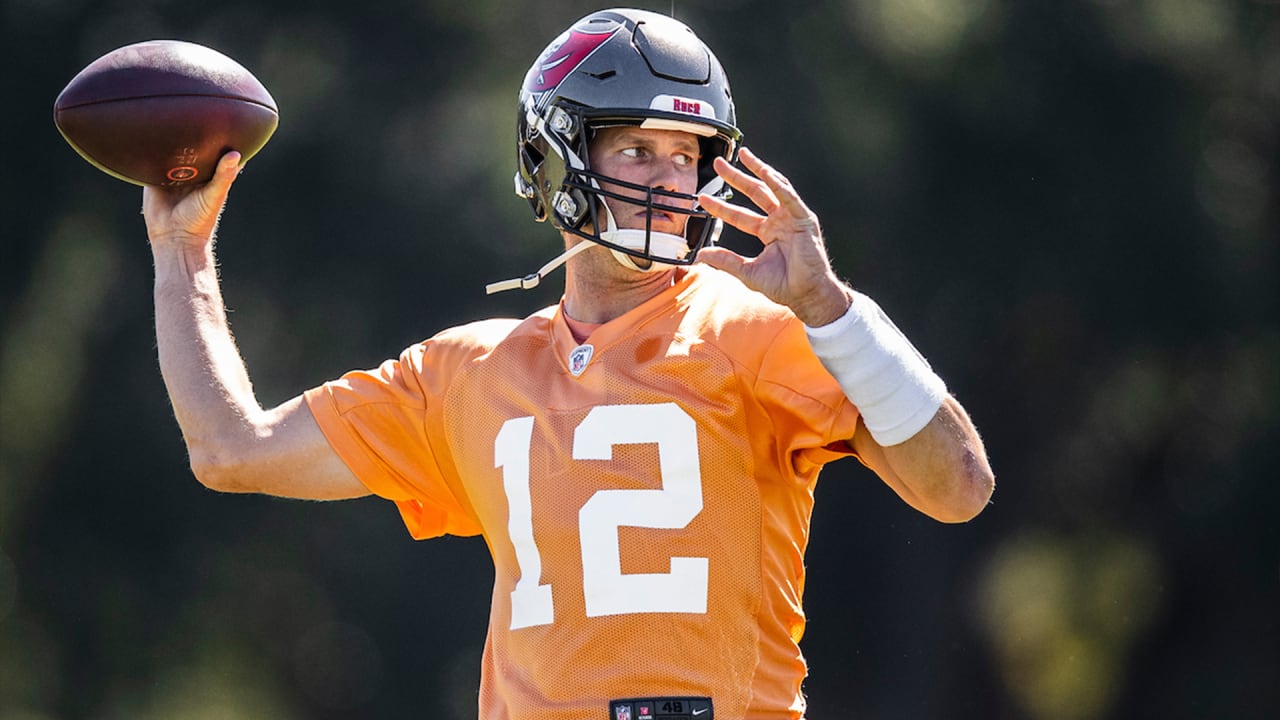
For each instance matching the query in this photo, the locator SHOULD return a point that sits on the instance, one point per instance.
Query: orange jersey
(645, 495)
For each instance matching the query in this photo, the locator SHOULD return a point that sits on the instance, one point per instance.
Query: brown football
(162, 112)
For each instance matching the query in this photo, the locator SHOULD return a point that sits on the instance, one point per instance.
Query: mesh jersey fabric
(647, 517)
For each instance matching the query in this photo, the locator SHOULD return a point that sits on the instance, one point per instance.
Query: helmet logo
(683, 105)
(564, 56)
(689, 107)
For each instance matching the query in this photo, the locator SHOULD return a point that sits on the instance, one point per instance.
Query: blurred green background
(1072, 208)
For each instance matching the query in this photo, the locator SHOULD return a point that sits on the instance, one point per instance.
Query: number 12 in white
(606, 590)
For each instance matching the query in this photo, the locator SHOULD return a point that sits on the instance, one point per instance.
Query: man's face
(661, 159)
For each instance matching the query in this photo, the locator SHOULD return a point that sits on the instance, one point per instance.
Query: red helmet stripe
(561, 59)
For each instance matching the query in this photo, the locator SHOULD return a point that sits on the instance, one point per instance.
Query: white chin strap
(529, 282)
(661, 245)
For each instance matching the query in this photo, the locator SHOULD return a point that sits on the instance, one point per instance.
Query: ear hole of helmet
(711, 148)
(531, 160)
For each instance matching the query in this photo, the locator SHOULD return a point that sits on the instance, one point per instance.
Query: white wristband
(879, 370)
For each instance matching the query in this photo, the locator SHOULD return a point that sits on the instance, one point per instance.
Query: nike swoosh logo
(699, 712)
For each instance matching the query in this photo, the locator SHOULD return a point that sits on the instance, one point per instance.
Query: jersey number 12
(605, 588)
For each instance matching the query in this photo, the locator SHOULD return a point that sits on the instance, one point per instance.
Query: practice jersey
(645, 494)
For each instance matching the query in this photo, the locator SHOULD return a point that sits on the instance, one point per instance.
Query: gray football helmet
(622, 67)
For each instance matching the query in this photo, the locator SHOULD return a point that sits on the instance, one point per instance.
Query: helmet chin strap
(660, 245)
(528, 282)
(663, 245)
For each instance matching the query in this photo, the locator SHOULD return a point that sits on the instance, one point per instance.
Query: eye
(685, 160)
(635, 152)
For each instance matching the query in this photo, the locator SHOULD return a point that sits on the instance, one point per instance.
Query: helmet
(622, 67)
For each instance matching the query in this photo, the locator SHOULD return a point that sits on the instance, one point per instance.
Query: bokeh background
(1071, 207)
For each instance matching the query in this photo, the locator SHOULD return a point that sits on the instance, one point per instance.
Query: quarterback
(641, 457)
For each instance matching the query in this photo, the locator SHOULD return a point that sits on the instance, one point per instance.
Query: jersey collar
(609, 334)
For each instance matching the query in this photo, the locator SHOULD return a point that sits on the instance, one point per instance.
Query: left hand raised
(793, 268)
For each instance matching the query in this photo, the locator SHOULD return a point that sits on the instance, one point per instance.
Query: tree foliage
(1070, 207)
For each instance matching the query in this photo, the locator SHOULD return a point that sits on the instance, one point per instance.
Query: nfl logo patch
(622, 712)
(578, 359)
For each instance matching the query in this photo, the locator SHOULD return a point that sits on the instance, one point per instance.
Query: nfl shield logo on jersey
(622, 712)
(578, 359)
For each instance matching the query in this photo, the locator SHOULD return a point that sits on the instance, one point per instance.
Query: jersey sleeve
(379, 423)
(812, 419)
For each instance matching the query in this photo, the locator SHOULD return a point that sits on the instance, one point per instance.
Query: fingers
(755, 190)
(783, 212)
(766, 187)
(219, 184)
(214, 193)
(226, 172)
(739, 217)
(190, 215)
(723, 259)
(779, 186)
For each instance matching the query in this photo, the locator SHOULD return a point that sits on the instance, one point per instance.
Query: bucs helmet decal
(564, 56)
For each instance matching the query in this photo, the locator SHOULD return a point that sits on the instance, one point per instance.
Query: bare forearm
(234, 444)
(942, 470)
(205, 376)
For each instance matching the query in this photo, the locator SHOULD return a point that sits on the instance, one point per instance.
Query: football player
(640, 457)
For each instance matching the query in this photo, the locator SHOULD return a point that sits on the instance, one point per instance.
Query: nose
(668, 175)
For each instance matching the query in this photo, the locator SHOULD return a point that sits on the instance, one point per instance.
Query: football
(162, 112)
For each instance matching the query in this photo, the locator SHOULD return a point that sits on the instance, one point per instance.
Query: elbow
(971, 490)
(220, 471)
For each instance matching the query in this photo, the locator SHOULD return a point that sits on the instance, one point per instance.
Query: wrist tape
(881, 373)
